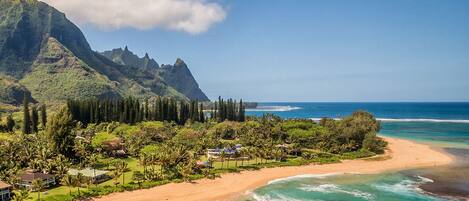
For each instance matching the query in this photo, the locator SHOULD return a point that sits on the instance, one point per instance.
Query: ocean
(442, 125)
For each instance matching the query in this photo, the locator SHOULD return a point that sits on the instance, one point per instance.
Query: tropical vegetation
(144, 143)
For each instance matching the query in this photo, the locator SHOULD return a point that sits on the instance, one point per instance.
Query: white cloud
(192, 16)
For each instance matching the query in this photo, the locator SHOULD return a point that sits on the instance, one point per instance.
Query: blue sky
(317, 50)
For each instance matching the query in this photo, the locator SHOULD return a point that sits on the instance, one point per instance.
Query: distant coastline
(402, 154)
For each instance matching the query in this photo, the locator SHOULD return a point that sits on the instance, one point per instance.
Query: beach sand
(401, 154)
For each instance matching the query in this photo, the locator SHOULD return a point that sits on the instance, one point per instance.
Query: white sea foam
(332, 188)
(405, 187)
(412, 120)
(275, 197)
(274, 108)
(319, 176)
(425, 120)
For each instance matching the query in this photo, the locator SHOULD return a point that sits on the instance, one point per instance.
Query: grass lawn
(62, 192)
(133, 165)
(53, 193)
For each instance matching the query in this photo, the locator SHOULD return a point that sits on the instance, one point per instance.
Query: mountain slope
(178, 76)
(12, 92)
(26, 27)
(57, 74)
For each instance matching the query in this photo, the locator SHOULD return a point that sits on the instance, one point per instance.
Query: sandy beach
(401, 154)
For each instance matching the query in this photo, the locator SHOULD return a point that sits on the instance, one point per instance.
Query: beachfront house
(27, 178)
(229, 152)
(96, 176)
(5, 191)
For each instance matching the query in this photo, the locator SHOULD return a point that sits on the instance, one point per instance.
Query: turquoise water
(444, 125)
(388, 187)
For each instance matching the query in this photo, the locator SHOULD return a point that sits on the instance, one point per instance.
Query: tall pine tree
(34, 119)
(26, 117)
(43, 116)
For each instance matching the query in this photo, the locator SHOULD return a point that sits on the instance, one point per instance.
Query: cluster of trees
(9, 124)
(131, 110)
(228, 110)
(30, 118)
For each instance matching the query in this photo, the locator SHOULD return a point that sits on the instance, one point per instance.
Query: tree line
(30, 118)
(228, 110)
(132, 110)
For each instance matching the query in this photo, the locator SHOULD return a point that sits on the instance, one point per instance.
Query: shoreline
(401, 154)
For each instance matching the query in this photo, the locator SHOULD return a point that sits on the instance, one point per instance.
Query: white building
(5, 191)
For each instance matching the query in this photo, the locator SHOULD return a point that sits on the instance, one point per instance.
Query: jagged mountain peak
(177, 75)
(128, 58)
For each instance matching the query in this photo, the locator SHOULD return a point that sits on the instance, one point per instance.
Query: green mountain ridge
(41, 50)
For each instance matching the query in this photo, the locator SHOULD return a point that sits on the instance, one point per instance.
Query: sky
(302, 50)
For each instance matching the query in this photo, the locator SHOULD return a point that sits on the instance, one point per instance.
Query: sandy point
(401, 154)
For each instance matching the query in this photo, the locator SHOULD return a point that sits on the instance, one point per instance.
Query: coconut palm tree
(38, 185)
(93, 162)
(122, 167)
(222, 157)
(138, 177)
(144, 163)
(79, 181)
(68, 180)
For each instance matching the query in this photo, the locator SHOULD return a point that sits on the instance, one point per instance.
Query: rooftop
(4, 185)
(87, 172)
(29, 176)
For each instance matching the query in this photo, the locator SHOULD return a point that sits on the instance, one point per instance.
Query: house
(5, 191)
(215, 153)
(96, 176)
(27, 178)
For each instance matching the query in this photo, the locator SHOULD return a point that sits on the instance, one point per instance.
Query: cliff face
(178, 76)
(44, 52)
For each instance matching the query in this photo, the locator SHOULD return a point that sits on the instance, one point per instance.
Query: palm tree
(144, 163)
(122, 167)
(21, 195)
(79, 180)
(68, 180)
(138, 177)
(243, 151)
(38, 185)
(93, 162)
(222, 157)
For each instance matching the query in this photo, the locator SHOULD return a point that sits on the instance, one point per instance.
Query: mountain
(43, 53)
(178, 76)
(57, 74)
(127, 58)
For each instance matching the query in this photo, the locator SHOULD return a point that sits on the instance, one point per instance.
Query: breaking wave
(413, 120)
(319, 176)
(331, 188)
(405, 187)
(273, 108)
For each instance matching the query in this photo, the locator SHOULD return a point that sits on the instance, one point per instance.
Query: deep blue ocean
(444, 125)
